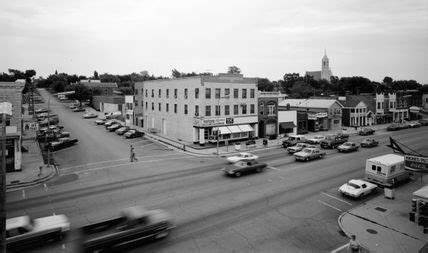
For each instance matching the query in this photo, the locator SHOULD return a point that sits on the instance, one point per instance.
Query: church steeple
(325, 67)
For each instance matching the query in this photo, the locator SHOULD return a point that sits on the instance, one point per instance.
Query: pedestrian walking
(353, 246)
(40, 171)
(132, 157)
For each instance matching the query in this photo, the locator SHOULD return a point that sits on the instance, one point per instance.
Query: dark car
(366, 131)
(122, 130)
(394, 127)
(61, 143)
(100, 121)
(243, 167)
(114, 127)
(133, 133)
(79, 109)
(368, 143)
(109, 123)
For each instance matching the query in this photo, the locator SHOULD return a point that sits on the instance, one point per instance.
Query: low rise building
(268, 113)
(357, 110)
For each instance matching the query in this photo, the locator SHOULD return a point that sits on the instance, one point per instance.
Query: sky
(264, 38)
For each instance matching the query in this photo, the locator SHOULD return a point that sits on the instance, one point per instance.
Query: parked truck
(135, 225)
(386, 170)
(333, 141)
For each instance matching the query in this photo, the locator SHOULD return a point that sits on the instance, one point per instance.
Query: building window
(261, 108)
(207, 93)
(235, 93)
(175, 93)
(146, 93)
(378, 105)
(196, 92)
(271, 110)
(235, 109)
(227, 92)
(153, 106)
(244, 93)
(136, 91)
(175, 108)
(153, 93)
(142, 106)
(244, 109)
(185, 94)
(252, 93)
(146, 106)
(217, 110)
(160, 107)
(208, 110)
(196, 110)
(167, 107)
(136, 103)
(185, 109)
(391, 104)
(217, 93)
(167, 93)
(226, 110)
(252, 109)
(159, 93)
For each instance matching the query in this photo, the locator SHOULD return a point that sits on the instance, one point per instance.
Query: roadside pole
(48, 132)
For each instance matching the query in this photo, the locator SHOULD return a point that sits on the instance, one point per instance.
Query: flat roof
(422, 193)
(388, 159)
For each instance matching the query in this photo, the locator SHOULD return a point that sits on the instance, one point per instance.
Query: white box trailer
(386, 170)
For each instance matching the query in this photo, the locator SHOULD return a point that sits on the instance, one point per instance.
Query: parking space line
(322, 202)
(273, 168)
(336, 198)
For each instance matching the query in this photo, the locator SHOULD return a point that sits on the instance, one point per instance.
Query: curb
(22, 185)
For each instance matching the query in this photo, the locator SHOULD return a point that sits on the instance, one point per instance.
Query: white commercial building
(200, 108)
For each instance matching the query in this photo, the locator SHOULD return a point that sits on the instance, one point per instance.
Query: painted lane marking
(336, 198)
(340, 248)
(273, 168)
(46, 187)
(322, 202)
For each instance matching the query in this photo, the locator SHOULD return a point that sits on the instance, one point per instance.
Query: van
(386, 170)
(293, 140)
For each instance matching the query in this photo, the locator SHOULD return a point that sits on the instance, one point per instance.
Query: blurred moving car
(133, 133)
(348, 147)
(414, 124)
(316, 139)
(23, 233)
(243, 167)
(368, 143)
(89, 115)
(109, 123)
(309, 154)
(242, 156)
(41, 110)
(393, 127)
(100, 121)
(61, 143)
(122, 130)
(79, 109)
(357, 188)
(366, 131)
(423, 122)
(334, 140)
(293, 140)
(299, 147)
(114, 127)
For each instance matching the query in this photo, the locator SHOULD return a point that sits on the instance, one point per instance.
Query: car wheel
(237, 174)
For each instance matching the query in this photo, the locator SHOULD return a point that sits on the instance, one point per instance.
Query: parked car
(114, 127)
(357, 188)
(100, 121)
(89, 115)
(368, 143)
(133, 133)
(393, 127)
(61, 143)
(109, 123)
(366, 131)
(24, 233)
(424, 122)
(41, 110)
(299, 147)
(404, 125)
(333, 141)
(348, 147)
(243, 167)
(79, 109)
(316, 139)
(242, 156)
(414, 124)
(309, 154)
(293, 140)
(134, 225)
(72, 107)
(122, 130)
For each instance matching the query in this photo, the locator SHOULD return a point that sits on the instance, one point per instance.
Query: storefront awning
(286, 125)
(224, 130)
(246, 128)
(234, 129)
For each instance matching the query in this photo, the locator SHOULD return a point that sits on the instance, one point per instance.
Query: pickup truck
(293, 140)
(134, 225)
(23, 232)
(333, 141)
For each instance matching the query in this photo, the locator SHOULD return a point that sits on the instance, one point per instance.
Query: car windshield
(347, 144)
(307, 150)
(353, 185)
(291, 138)
(299, 145)
(319, 137)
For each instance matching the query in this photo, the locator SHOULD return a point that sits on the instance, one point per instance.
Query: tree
(81, 93)
(58, 86)
(234, 70)
(96, 77)
(301, 89)
(175, 73)
(263, 84)
(387, 80)
(109, 78)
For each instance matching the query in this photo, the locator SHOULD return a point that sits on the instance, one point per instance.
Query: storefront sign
(416, 163)
(205, 122)
(314, 116)
(229, 121)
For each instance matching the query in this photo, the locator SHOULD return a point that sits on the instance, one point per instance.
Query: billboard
(416, 163)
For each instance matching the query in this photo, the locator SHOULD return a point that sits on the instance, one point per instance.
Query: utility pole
(48, 132)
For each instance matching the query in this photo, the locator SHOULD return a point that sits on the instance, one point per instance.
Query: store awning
(234, 129)
(286, 125)
(246, 128)
(224, 130)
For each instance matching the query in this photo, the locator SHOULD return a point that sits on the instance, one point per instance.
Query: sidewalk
(382, 225)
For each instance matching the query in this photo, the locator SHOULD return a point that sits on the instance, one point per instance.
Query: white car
(89, 115)
(316, 139)
(356, 188)
(242, 156)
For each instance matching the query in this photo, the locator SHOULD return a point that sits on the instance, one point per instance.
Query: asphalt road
(291, 207)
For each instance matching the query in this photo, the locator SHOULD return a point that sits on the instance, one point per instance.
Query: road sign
(416, 163)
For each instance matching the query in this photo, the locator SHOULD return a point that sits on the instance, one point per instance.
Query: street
(291, 207)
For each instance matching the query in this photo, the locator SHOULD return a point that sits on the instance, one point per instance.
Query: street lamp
(5, 109)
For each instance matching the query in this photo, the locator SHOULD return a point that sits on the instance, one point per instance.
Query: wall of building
(425, 101)
(288, 116)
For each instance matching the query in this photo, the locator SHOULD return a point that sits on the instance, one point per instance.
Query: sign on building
(416, 163)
